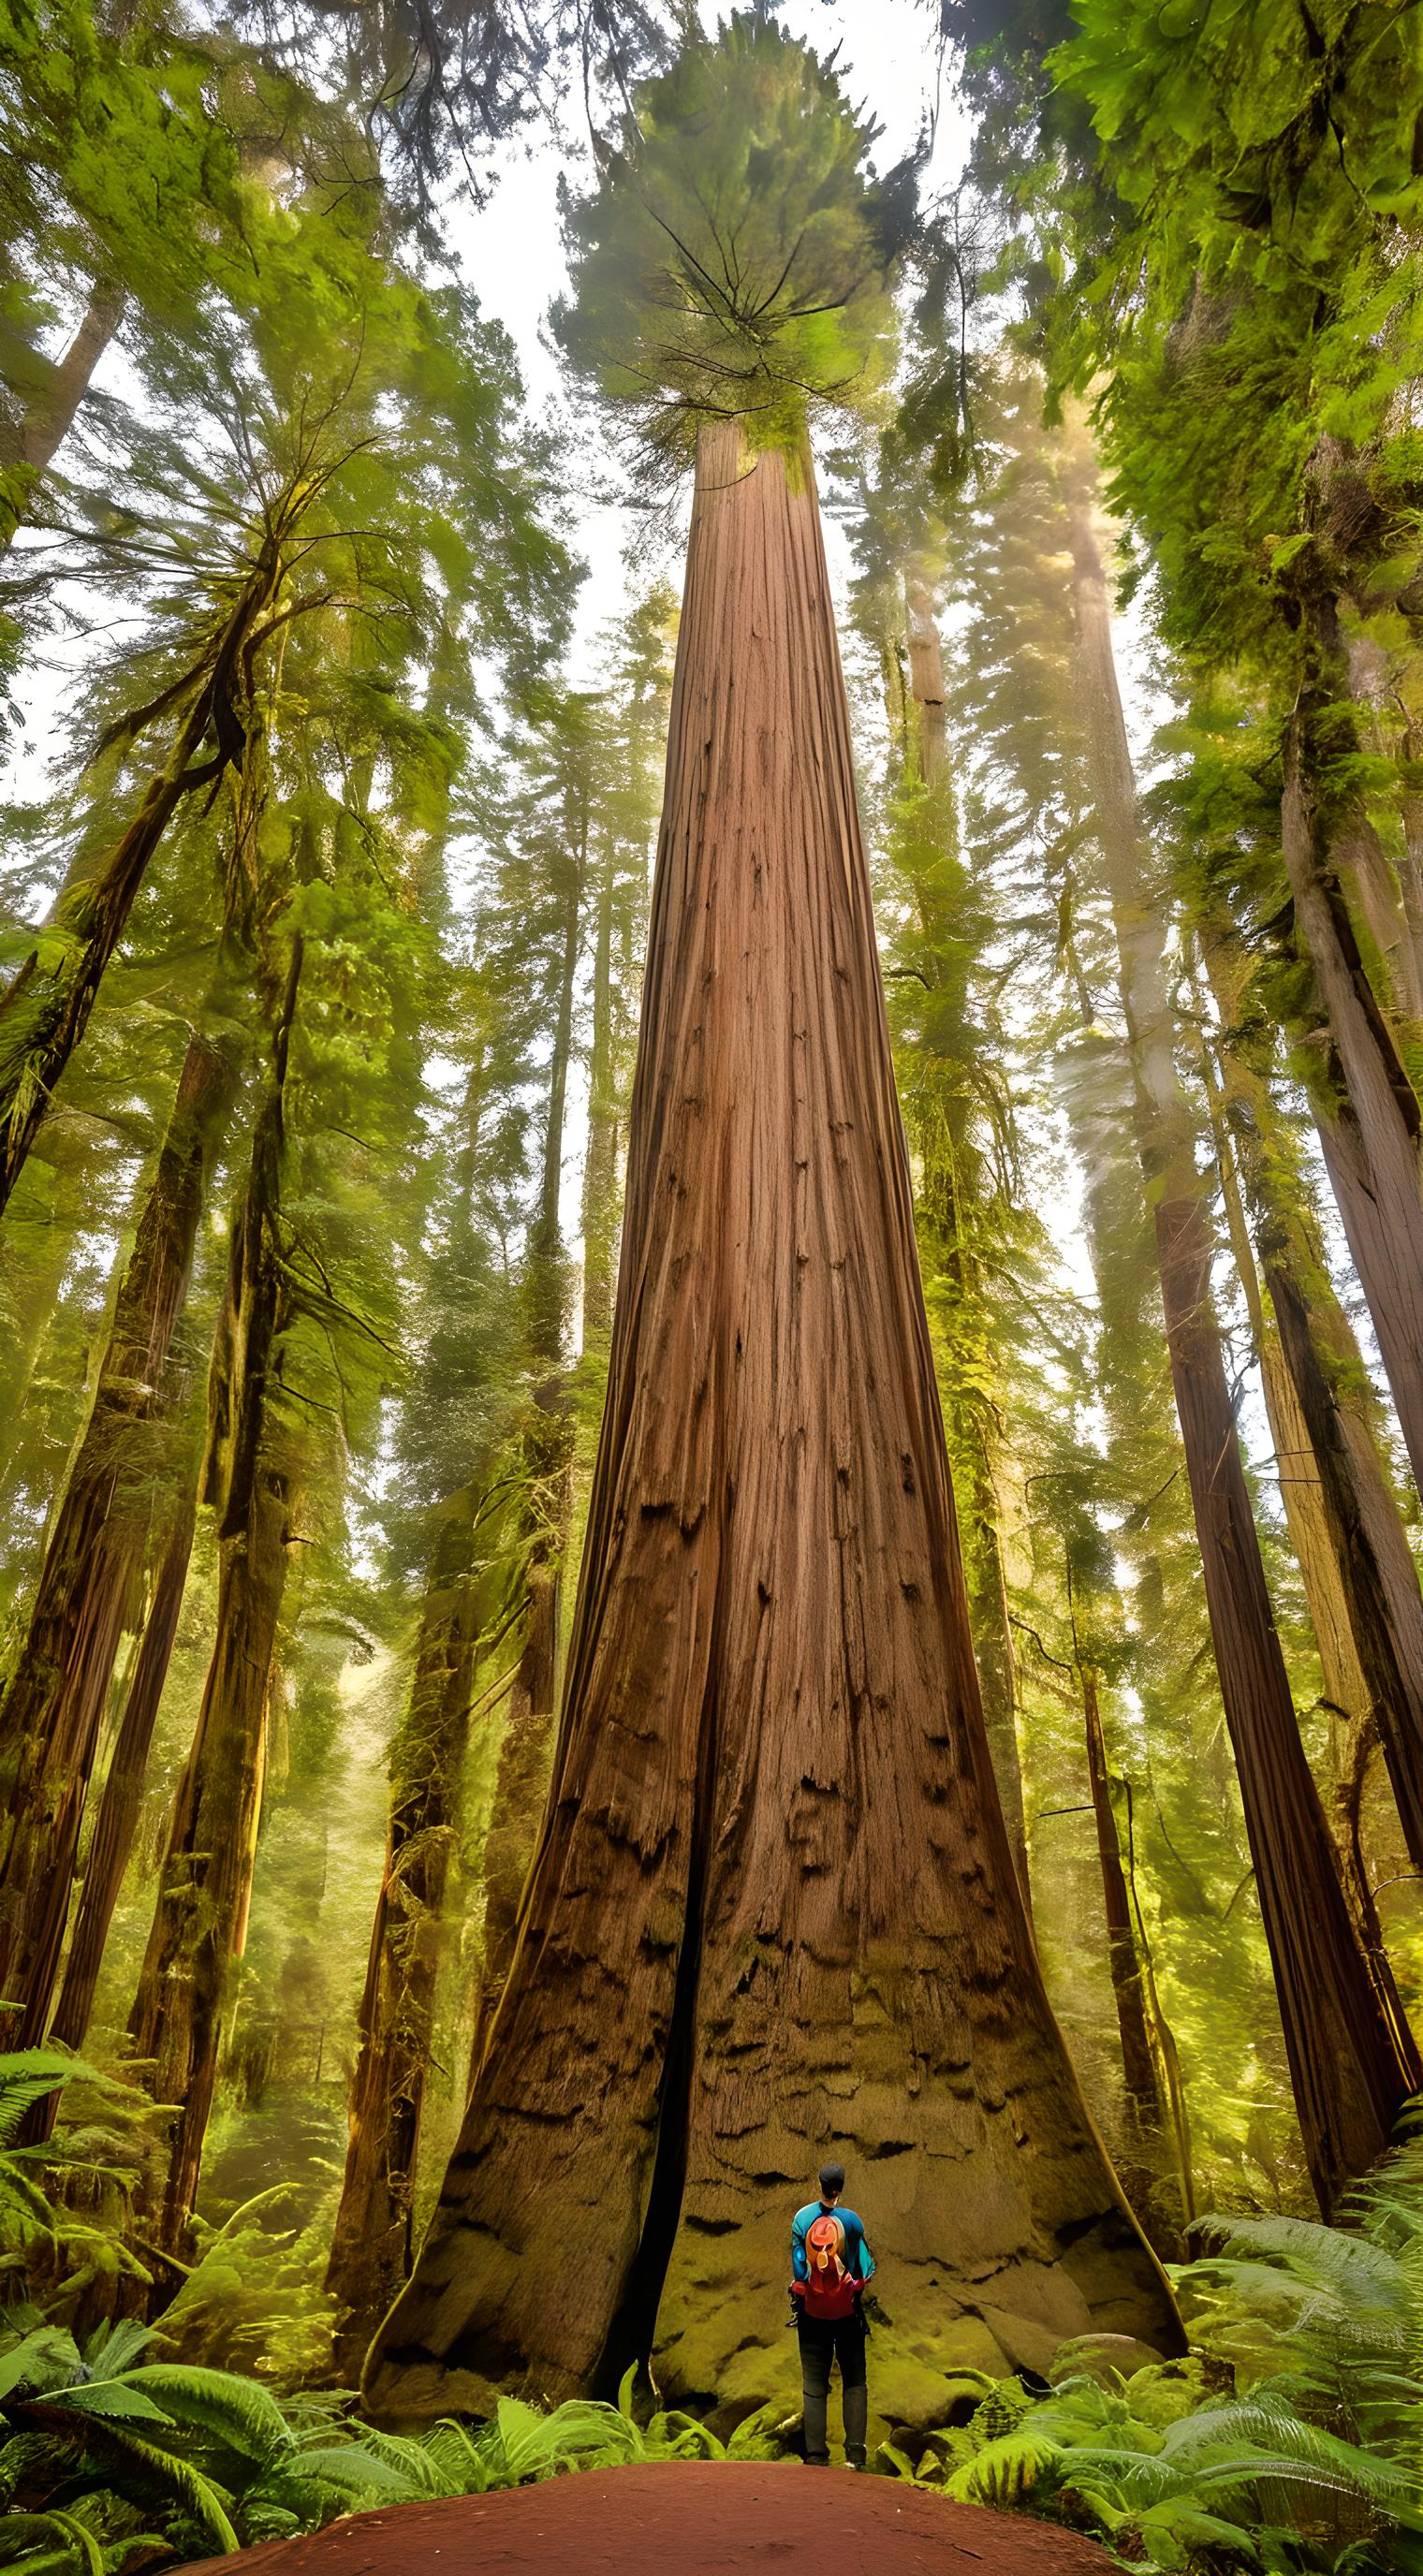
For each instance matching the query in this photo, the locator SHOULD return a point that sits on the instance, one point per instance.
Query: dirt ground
(686, 2518)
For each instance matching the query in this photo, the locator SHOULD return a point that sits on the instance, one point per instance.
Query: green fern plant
(61, 2239)
(1169, 2480)
(255, 2299)
(1307, 2452)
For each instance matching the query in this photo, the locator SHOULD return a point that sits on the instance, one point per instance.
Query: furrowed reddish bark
(774, 1907)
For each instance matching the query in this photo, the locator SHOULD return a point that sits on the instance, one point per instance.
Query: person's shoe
(854, 2459)
(816, 2460)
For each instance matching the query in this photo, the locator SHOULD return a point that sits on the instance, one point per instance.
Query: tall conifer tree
(774, 1903)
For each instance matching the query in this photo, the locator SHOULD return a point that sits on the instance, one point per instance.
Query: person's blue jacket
(859, 2261)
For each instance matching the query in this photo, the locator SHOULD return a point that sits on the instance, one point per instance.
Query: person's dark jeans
(823, 2342)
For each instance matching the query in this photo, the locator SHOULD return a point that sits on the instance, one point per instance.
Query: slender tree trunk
(1360, 1575)
(1148, 2111)
(1326, 1582)
(1367, 1109)
(521, 1784)
(200, 1918)
(122, 1801)
(774, 1905)
(992, 1633)
(52, 1710)
(600, 1169)
(49, 414)
(1369, 1543)
(1097, 1092)
(44, 1012)
(46, 1007)
(371, 2247)
(1351, 2056)
(945, 1159)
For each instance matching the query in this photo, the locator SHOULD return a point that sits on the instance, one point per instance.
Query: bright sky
(512, 254)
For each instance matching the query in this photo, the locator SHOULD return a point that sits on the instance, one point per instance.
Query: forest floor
(685, 2518)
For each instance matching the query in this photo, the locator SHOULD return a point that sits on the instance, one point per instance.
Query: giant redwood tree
(773, 1908)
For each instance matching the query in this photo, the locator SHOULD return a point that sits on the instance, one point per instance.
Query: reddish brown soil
(686, 2518)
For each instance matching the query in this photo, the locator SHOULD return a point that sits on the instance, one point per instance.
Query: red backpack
(829, 2288)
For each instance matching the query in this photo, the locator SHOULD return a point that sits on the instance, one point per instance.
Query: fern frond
(202, 2498)
(1008, 2469)
(46, 2357)
(352, 2468)
(78, 2550)
(240, 2412)
(457, 2458)
(27, 2075)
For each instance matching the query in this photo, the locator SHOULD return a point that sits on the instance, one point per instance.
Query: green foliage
(1220, 252)
(112, 2453)
(59, 2197)
(1167, 2480)
(733, 263)
(118, 2445)
(1288, 2439)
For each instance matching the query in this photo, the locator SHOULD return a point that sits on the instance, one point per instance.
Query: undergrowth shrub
(1288, 2442)
(1292, 2438)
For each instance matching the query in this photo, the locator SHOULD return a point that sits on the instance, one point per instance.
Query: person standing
(830, 2266)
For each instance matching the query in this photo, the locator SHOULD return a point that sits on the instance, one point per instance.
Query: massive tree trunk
(1352, 2060)
(52, 1710)
(773, 1909)
(200, 1917)
(371, 2246)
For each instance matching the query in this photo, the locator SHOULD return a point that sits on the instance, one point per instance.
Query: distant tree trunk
(773, 1906)
(122, 1801)
(1148, 2121)
(1097, 1093)
(371, 2246)
(944, 1159)
(200, 1918)
(1351, 2056)
(53, 1707)
(926, 678)
(600, 1170)
(521, 1785)
(1360, 1577)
